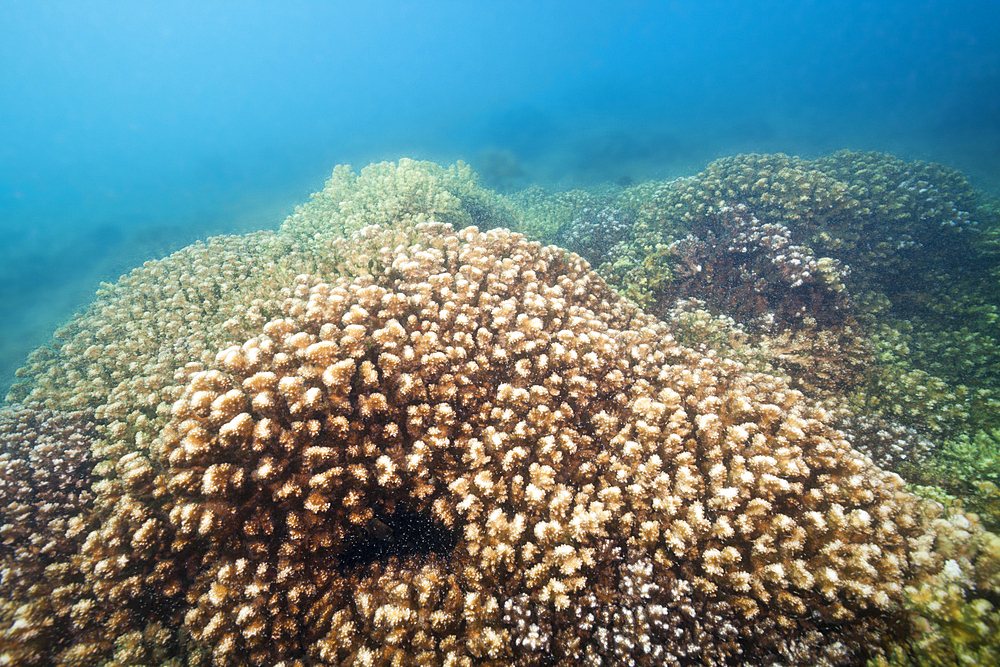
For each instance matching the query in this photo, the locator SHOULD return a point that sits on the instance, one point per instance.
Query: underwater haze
(128, 130)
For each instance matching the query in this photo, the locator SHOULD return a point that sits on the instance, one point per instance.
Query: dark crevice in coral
(151, 606)
(399, 534)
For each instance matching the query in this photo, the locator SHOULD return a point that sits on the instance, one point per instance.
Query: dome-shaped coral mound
(479, 454)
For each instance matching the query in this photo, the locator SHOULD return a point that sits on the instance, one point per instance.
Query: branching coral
(970, 468)
(819, 259)
(398, 194)
(127, 357)
(776, 189)
(952, 602)
(889, 444)
(126, 346)
(893, 389)
(45, 478)
(45, 506)
(749, 268)
(596, 232)
(181, 307)
(543, 214)
(415, 446)
(480, 454)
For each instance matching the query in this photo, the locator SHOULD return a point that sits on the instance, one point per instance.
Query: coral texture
(969, 468)
(45, 505)
(481, 455)
(402, 444)
(859, 275)
(952, 602)
(394, 194)
(595, 234)
(45, 478)
(128, 355)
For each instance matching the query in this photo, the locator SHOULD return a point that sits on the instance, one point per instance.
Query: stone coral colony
(498, 394)
(459, 448)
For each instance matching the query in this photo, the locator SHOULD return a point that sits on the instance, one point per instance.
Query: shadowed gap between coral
(400, 534)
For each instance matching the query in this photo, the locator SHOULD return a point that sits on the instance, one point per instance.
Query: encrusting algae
(396, 433)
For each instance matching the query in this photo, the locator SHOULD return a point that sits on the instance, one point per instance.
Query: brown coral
(45, 506)
(45, 478)
(442, 448)
(749, 268)
(482, 455)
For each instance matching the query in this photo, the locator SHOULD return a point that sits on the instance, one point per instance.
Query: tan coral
(46, 500)
(453, 448)
(385, 447)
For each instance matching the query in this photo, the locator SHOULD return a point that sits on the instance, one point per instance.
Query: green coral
(876, 213)
(911, 246)
(951, 604)
(951, 631)
(694, 326)
(970, 467)
(399, 194)
(941, 381)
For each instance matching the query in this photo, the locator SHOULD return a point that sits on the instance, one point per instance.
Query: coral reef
(750, 268)
(969, 467)
(773, 190)
(384, 436)
(46, 501)
(914, 227)
(128, 354)
(126, 346)
(693, 325)
(952, 604)
(595, 233)
(890, 445)
(184, 306)
(398, 194)
(481, 454)
(549, 215)
(858, 274)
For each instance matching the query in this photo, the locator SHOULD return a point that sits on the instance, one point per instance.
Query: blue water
(130, 129)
